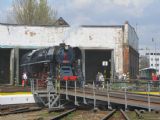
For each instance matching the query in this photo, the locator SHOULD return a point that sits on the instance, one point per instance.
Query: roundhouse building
(116, 45)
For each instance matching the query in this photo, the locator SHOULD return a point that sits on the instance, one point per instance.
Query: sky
(143, 15)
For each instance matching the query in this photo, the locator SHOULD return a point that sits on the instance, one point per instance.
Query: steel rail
(109, 115)
(20, 110)
(58, 117)
(124, 115)
(138, 114)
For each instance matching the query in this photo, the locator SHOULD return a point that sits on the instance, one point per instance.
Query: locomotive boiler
(61, 62)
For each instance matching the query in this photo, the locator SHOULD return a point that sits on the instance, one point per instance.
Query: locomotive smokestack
(62, 44)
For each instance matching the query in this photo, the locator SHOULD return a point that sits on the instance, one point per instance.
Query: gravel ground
(36, 115)
(44, 115)
(77, 115)
(86, 115)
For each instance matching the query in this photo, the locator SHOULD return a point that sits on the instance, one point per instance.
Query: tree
(143, 62)
(33, 12)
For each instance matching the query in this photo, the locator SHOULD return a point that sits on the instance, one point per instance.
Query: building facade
(154, 59)
(118, 45)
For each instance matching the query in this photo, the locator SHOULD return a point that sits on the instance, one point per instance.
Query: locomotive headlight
(66, 47)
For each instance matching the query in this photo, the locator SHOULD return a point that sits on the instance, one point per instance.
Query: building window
(147, 53)
(157, 65)
(151, 64)
(156, 59)
(151, 53)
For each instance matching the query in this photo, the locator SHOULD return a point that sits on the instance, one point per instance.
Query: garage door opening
(93, 64)
(5, 66)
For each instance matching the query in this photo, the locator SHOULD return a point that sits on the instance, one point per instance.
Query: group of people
(122, 76)
(154, 77)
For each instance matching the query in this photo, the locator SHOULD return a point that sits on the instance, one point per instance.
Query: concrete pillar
(83, 64)
(112, 65)
(12, 67)
(16, 65)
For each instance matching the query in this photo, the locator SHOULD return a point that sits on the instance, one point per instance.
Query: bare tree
(143, 62)
(33, 12)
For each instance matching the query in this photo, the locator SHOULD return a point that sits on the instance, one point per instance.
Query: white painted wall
(90, 37)
(130, 36)
(48, 36)
(16, 99)
(154, 59)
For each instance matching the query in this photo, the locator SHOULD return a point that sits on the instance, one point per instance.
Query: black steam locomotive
(59, 62)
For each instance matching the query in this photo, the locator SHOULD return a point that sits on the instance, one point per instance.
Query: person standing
(101, 79)
(24, 79)
(97, 80)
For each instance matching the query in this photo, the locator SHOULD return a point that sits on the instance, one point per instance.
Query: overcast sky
(143, 15)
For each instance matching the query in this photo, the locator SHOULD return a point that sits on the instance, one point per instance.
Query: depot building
(109, 48)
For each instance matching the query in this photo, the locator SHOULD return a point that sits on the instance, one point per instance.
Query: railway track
(77, 114)
(143, 115)
(81, 115)
(15, 109)
(64, 114)
(138, 114)
(116, 115)
(109, 115)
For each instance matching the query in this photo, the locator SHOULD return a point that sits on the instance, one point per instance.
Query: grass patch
(46, 114)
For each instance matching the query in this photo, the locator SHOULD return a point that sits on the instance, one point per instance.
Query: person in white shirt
(101, 79)
(124, 76)
(24, 76)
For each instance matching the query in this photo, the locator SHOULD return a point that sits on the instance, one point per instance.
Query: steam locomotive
(61, 62)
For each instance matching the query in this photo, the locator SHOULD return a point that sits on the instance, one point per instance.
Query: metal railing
(127, 87)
